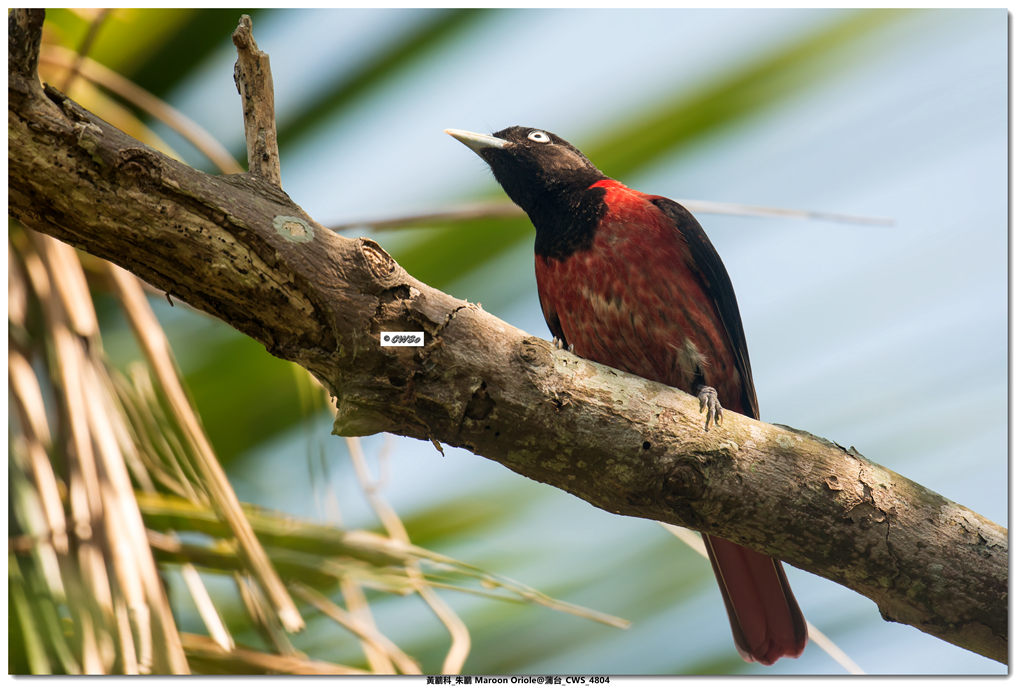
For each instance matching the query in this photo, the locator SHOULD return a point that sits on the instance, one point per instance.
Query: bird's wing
(709, 266)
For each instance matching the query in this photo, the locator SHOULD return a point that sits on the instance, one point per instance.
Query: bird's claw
(560, 344)
(708, 398)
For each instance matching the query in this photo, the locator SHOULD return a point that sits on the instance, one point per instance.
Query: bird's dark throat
(567, 223)
(553, 184)
(565, 210)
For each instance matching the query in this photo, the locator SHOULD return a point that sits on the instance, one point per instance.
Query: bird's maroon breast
(633, 300)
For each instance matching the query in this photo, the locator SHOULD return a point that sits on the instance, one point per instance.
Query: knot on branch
(683, 485)
(378, 262)
(293, 229)
(139, 162)
(532, 353)
(683, 482)
(480, 403)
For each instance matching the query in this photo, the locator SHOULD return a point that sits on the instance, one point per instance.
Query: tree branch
(238, 248)
(256, 87)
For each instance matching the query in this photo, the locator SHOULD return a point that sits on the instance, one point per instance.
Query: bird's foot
(560, 344)
(708, 398)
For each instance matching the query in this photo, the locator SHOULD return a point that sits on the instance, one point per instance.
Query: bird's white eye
(539, 136)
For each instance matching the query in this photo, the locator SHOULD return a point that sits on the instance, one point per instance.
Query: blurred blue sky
(889, 338)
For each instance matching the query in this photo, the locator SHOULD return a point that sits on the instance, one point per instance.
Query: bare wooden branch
(24, 34)
(243, 252)
(256, 86)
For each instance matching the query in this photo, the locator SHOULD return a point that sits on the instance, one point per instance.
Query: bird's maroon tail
(766, 620)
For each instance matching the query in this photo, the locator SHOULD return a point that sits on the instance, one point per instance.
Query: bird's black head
(549, 179)
(532, 165)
